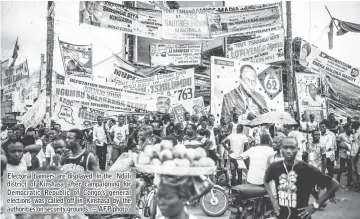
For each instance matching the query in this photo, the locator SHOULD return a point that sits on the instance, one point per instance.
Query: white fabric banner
(36, 113)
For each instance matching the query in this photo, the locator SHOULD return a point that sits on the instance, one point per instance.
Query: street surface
(347, 208)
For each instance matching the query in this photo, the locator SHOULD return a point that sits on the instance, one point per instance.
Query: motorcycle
(249, 201)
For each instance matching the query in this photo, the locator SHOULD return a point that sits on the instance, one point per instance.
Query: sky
(27, 20)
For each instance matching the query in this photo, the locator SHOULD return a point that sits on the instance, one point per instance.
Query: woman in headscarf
(175, 191)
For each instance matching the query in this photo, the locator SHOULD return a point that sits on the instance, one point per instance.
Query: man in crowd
(353, 172)
(344, 143)
(238, 142)
(49, 150)
(187, 118)
(75, 158)
(154, 139)
(178, 132)
(328, 139)
(300, 137)
(100, 140)
(294, 182)
(121, 135)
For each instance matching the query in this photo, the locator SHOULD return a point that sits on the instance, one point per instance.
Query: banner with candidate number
(319, 62)
(130, 20)
(246, 20)
(264, 49)
(342, 96)
(239, 87)
(174, 54)
(310, 101)
(77, 59)
(179, 84)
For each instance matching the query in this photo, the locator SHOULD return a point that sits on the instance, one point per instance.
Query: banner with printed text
(193, 106)
(107, 97)
(239, 87)
(343, 97)
(265, 49)
(309, 97)
(12, 76)
(322, 63)
(36, 113)
(185, 24)
(173, 54)
(119, 74)
(109, 15)
(178, 84)
(77, 59)
(246, 20)
(4, 65)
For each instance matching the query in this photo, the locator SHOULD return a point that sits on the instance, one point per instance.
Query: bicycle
(147, 201)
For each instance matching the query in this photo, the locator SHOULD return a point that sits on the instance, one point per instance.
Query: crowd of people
(319, 147)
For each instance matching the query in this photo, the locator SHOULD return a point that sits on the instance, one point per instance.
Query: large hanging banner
(135, 21)
(343, 97)
(173, 54)
(185, 24)
(4, 65)
(12, 77)
(178, 84)
(265, 49)
(194, 107)
(321, 63)
(77, 59)
(309, 97)
(108, 97)
(239, 87)
(120, 74)
(245, 20)
(36, 113)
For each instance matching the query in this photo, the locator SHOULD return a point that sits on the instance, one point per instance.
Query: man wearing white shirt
(121, 135)
(299, 136)
(99, 137)
(328, 139)
(49, 151)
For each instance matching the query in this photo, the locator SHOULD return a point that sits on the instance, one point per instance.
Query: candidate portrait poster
(130, 20)
(239, 87)
(77, 59)
(309, 98)
(174, 55)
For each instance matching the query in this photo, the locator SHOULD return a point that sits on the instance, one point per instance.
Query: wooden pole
(331, 17)
(41, 73)
(289, 58)
(49, 56)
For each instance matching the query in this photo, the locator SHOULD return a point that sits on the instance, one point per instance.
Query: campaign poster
(246, 20)
(343, 97)
(130, 20)
(36, 113)
(12, 77)
(319, 62)
(77, 59)
(264, 49)
(185, 24)
(310, 101)
(239, 87)
(194, 107)
(179, 84)
(174, 54)
(119, 74)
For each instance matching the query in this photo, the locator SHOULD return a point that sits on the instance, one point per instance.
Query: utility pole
(41, 73)
(289, 58)
(49, 55)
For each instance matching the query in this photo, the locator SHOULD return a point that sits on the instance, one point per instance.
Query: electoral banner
(343, 97)
(185, 24)
(322, 63)
(135, 21)
(119, 74)
(246, 20)
(36, 113)
(77, 59)
(309, 97)
(194, 107)
(239, 87)
(174, 54)
(108, 97)
(178, 84)
(12, 76)
(264, 49)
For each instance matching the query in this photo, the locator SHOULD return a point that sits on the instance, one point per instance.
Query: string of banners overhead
(183, 24)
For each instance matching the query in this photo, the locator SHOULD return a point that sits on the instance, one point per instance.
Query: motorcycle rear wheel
(217, 206)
